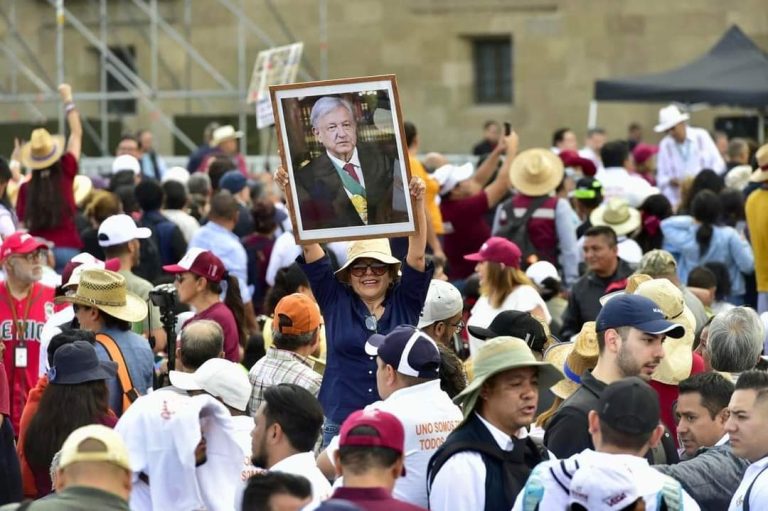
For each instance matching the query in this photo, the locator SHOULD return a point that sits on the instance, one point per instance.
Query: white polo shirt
(303, 464)
(758, 497)
(428, 415)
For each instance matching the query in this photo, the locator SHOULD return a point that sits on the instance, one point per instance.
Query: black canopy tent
(734, 73)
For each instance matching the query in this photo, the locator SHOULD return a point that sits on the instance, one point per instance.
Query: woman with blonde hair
(503, 286)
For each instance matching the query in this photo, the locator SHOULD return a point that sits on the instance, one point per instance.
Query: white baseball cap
(126, 162)
(220, 378)
(443, 301)
(179, 174)
(119, 229)
(540, 271)
(603, 488)
(450, 175)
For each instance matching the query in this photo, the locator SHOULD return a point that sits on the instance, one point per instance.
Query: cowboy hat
(223, 133)
(669, 117)
(761, 172)
(377, 249)
(678, 353)
(42, 150)
(618, 215)
(498, 355)
(574, 358)
(536, 172)
(106, 291)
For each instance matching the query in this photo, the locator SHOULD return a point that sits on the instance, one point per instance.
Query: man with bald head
(350, 184)
(200, 341)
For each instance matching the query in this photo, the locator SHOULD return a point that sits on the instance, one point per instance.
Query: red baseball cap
(573, 159)
(200, 262)
(20, 243)
(389, 428)
(498, 250)
(642, 152)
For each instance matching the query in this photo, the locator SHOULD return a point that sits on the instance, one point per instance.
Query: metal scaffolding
(22, 61)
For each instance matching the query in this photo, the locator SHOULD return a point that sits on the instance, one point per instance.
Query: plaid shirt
(281, 366)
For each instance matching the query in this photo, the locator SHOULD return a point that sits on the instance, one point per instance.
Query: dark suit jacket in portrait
(324, 204)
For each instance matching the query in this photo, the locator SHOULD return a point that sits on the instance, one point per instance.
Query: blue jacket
(726, 247)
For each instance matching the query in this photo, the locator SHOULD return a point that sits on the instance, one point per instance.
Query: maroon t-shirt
(465, 232)
(220, 313)
(373, 499)
(65, 234)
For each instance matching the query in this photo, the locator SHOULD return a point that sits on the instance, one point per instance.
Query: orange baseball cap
(296, 314)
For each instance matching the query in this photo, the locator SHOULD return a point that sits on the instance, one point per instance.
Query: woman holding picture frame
(372, 293)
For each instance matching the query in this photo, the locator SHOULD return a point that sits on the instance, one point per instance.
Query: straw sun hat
(618, 215)
(573, 358)
(536, 172)
(106, 291)
(377, 249)
(42, 150)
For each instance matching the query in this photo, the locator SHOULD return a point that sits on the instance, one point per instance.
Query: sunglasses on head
(378, 269)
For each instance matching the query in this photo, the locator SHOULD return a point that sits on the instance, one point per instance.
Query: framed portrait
(343, 146)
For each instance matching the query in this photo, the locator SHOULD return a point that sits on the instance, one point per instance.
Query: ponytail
(234, 303)
(706, 208)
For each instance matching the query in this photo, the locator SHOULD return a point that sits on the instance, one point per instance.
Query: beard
(628, 366)
(259, 456)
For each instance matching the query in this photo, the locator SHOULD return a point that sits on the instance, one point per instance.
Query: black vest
(505, 471)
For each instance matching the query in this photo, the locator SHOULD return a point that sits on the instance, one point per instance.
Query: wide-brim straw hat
(498, 355)
(678, 353)
(81, 187)
(42, 150)
(377, 249)
(223, 133)
(536, 172)
(574, 359)
(761, 172)
(106, 290)
(618, 215)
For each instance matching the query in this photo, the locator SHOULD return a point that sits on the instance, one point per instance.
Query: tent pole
(592, 116)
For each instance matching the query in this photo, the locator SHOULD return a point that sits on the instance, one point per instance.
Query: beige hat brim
(664, 126)
(631, 224)
(343, 274)
(548, 376)
(82, 187)
(678, 353)
(520, 181)
(25, 154)
(134, 310)
(557, 355)
(759, 176)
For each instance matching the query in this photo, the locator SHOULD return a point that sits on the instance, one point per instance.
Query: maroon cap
(389, 428)
(642, 152)
(20, 243)
(498, 250)
(200, 262)
(573, 159)
(86, 258)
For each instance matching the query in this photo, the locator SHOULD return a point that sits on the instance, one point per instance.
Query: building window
(127, 55)
(492, 58)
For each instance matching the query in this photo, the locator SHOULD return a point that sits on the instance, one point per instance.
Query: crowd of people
(567, 328)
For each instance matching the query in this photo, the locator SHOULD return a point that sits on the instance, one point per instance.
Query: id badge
(20, 356)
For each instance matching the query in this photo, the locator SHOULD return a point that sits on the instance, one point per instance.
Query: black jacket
(584, 301)
(568, 431)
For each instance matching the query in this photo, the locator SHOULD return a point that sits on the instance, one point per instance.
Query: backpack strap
(745, 505)
(532, 207)
(130, 394)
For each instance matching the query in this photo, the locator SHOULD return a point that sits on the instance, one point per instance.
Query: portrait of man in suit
(350, 184)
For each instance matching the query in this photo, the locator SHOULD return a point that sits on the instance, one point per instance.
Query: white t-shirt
(619, 183)
(523, 298)
(649, 481)
(303, 464)
(758, 497)
(428, 415)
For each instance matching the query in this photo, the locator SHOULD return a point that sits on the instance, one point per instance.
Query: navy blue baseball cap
(638, 312)
(409, 350)
(234, 181)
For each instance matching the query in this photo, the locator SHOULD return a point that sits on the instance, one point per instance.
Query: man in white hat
(441, 317)
(683, 152)
(224, 143)
(756, 210)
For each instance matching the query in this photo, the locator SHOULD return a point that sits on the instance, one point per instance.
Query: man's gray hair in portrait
(328, 104)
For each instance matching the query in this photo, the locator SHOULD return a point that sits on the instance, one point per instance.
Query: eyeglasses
(77, 307)
(179, 277)
(458, 326)
(378, 269)
(35, 256)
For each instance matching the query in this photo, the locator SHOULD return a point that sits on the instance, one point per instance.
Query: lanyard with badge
(20, 351)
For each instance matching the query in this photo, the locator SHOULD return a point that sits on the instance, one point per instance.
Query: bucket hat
(107, 291)
(536, 172)
(377, 249)
(498, 355)
(42, 150)
(77, 362)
